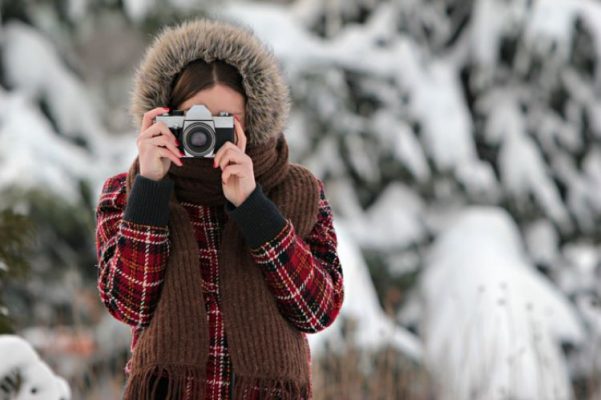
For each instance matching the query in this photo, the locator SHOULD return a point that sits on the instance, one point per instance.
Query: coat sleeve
(132, 247)
(304, 275)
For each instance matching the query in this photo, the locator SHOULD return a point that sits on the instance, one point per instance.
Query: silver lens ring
(199, 139)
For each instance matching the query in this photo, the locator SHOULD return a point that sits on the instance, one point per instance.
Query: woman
(222, 265)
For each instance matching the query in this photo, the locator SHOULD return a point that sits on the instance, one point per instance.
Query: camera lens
(199, 139)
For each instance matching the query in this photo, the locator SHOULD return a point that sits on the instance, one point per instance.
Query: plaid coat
(304, 276)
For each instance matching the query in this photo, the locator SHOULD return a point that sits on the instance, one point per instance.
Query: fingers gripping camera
(200, 133)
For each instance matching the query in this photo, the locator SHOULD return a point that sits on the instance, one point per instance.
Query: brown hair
(199, 75)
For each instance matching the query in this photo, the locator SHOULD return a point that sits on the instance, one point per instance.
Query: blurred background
(460, 146)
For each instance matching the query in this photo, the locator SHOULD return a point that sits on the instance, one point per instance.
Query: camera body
(199, 132)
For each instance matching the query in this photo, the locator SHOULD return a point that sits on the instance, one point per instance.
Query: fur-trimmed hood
(268, 96)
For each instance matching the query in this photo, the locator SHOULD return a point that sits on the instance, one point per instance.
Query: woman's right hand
(157, 146)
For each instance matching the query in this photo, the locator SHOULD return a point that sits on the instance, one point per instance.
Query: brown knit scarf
(266, 350)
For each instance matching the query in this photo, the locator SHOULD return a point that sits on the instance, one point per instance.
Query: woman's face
(217, 99)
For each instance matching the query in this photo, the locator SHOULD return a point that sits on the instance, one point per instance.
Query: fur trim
(268, 96)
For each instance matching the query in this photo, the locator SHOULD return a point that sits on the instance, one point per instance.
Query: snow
(436, 98)
(492, 20)
(556, 134)
(38, 157)
(479, 180)
(41, 157)
(391, 226)
(552, 22)
(321, 162)
(434, 93)
(523, 171)
(581, 262)
(374, 329)
(392, 67)
(363, 158)
(137, 9)
(53, 83)
(36, 377)
(77, 8)
(592, 170)
(397, 136)
(542, 241)
(505, 317)
(547, 24)
(446, 123)
(277, 27)
(522, 167)
(551, 26)
(490, 325)
(579, 278)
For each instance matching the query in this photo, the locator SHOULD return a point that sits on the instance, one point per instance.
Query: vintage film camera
(198, 131)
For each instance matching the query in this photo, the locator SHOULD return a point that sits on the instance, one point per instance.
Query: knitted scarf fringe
(186, 383)
(183, 382)
(270, 389)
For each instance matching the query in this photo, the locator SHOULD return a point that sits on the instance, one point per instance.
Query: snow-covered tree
(434, 107)
(414, 113)
(15, 234)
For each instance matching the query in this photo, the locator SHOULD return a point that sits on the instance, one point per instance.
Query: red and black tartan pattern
(304, 276)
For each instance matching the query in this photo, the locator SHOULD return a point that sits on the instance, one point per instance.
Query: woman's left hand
(237, 175)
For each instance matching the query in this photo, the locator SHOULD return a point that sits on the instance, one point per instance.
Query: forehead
(217, 98)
